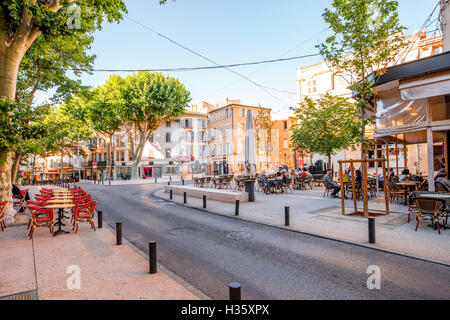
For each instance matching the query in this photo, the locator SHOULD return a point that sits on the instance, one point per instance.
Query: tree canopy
(367, 38)
(326, 126)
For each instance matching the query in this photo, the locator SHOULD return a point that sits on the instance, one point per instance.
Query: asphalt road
(209, 251)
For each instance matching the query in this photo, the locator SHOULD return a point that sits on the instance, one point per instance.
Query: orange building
(226, 137)
(285, 155)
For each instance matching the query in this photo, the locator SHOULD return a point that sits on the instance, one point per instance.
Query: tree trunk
(15, 165)
(9, 66)
(330, 166)
(108, 156)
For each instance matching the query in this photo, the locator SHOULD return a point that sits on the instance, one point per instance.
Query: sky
(227, 32)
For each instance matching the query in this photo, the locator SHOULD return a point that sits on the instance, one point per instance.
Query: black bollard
(204, 202)
(152, 257)
(171, 194)
(372, 230)
(109, 181)
(100, 219)
(156, 180)
(168, 183)
(184, 197)
(235, 291)
(182, 182)
(119, 233)
(170, 178)
(287, 217)
(236, 210)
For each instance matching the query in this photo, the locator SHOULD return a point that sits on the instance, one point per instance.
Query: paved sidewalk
(107, 271)
(311, 213)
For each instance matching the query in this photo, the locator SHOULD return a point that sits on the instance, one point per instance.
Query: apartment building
(318, 79)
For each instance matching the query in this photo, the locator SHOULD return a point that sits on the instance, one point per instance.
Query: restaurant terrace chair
(41, 217)
(412, 206)
(207, 182)
(394, 191)
(85, 213)
(441, 188)
(2, 212)
(227, 182)
(428, 209)
(279, 186)
(36, 204)
(327, 192)
(288, 186)
(307, 183)
(196, 184)
(19, 199)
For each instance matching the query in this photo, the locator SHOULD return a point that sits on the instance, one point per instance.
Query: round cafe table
(61, 207)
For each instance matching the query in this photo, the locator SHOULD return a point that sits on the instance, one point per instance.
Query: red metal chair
(36, 204)
(19, 199)
(2, 211)
(84, 213)
(41, 217)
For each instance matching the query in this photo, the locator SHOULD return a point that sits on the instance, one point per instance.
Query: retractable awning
(426, 86)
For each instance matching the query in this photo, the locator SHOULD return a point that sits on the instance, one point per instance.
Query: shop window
(168, 153)
(168, 137)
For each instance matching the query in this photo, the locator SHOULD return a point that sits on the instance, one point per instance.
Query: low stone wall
(221, 195)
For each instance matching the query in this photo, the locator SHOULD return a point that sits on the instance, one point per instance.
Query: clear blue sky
(227, 31)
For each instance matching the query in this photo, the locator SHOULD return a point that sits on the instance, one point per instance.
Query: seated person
(17, 192)
(405, 176)
(270, 186)
(442, 178)
(329, 183)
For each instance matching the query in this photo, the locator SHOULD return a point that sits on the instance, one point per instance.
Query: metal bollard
(170, 178)
(236, 210)
(109, 180)
(119, 233)
(184, 197)
(182, 182)
(204, 202)
(168, 183)
(287, 218)
(100, 219)
(372, 230)
(171, 194)
(156, 180)
(235, 291)
(152, 257)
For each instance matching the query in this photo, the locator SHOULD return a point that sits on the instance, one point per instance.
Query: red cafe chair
(84, 213)
(2, 211)
(41, 217)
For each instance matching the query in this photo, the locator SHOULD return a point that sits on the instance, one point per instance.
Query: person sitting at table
(329, 183)
(442, 178)
(263, 180)
(405, 176)
(442, 173)
(17, 192)
(271, 185)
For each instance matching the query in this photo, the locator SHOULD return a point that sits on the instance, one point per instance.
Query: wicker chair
(428, 209)
(412, 206)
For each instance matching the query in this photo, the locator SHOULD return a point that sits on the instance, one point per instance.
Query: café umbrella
(250, 147)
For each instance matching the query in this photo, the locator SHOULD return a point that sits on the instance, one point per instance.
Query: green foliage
(326, 126)
(367, 38)
(52, 17)
(151, 97)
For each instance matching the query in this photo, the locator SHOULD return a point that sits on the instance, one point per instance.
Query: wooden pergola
(364, 163)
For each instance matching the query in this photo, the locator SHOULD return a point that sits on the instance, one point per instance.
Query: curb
(350, 242)
(161, 267)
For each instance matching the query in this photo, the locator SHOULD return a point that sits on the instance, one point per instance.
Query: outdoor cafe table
(61, 207)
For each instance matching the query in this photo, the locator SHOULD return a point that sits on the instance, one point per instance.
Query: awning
(426, 86)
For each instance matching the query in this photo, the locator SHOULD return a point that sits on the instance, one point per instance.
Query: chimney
(445, 23)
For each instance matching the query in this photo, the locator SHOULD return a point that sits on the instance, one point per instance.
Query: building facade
(315, 80)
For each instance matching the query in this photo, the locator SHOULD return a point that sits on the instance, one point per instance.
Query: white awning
(425, 86)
